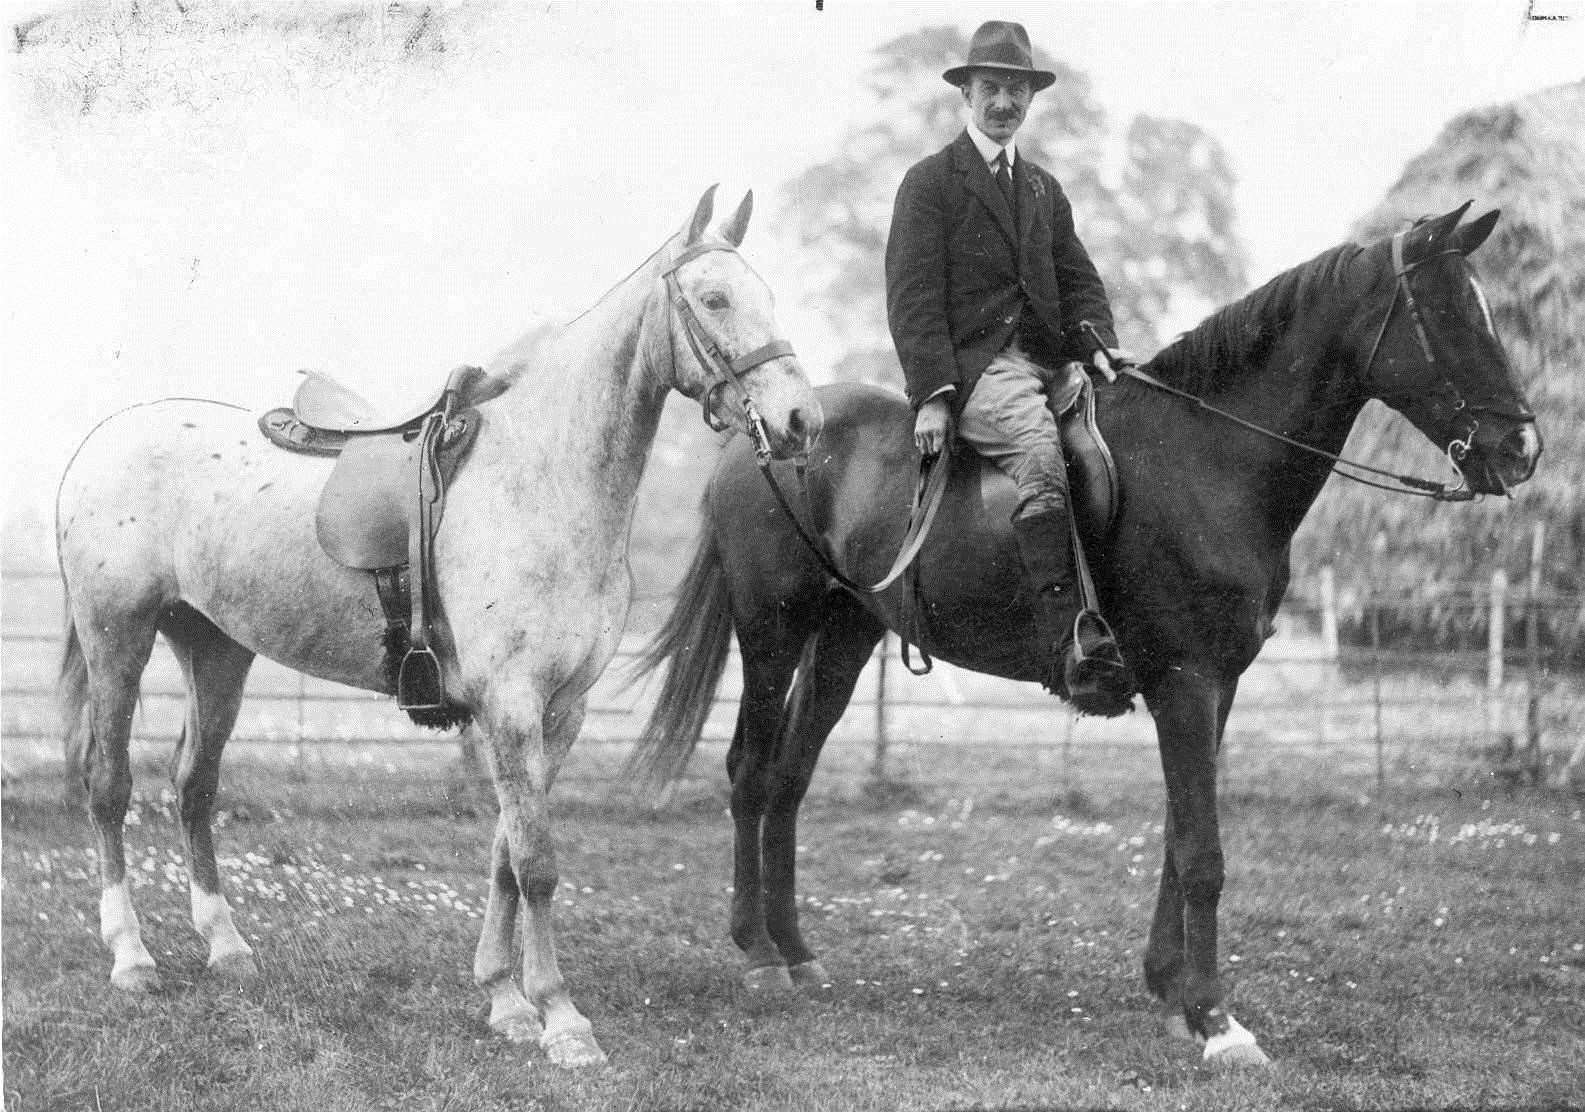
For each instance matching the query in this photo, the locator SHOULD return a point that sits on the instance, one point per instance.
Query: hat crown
(1001, 45)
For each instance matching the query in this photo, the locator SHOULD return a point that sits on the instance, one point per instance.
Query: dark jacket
(958, 278)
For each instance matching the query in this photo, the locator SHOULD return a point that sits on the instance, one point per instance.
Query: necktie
(1004, 178)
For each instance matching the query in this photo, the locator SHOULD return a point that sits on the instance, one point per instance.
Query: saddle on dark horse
(382, 505)
(1093, 674)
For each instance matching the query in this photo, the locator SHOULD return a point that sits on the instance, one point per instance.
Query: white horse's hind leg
(216, 669)
(116, 648)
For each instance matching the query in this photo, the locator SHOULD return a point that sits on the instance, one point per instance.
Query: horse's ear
(701, 215)
(739, 222)
(1430, 231)
(1443, 225)
(1473, 234)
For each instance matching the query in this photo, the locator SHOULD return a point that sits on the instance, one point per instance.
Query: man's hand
(932, 426)
(1109, 360)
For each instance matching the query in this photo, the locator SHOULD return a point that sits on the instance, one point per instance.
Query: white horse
(177, 517)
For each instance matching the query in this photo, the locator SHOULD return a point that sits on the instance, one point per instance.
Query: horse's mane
(1240, 335)
(517, 361)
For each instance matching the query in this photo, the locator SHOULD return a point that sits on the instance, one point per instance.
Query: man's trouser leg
(1006, 419)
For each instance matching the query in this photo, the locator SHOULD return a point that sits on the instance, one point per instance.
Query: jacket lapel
(977, 176)
(1024, 191)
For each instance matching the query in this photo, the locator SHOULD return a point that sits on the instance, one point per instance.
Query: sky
(387, 232)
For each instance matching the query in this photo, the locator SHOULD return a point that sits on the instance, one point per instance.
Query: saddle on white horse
(383, 503)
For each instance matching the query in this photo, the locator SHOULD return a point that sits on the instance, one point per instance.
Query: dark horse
(1190, 574)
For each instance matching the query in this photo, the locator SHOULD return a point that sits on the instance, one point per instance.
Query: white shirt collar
(989, 148)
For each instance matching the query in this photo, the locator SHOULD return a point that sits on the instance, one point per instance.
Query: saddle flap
(368, 508)
(1091, 469)
(370, 502)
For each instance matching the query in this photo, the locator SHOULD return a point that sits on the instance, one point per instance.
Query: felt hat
(1001, 45)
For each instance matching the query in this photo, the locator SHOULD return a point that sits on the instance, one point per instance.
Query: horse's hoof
(237, 967)
(810, 976)
(572, 1050)
(518, 1027)
(140, 979)
(1234, 1049)
(768, 978)
(1178, 1027)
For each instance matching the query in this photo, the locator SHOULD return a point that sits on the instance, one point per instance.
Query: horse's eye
(715, 302)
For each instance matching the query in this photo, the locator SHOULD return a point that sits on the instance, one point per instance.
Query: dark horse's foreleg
(1164, 956)
(830, 668)
(770, 654)
(1181, 959)
(780, 730)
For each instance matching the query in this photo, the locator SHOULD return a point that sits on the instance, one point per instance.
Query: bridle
(1457, 449)
(1408, 484)
(727, 371)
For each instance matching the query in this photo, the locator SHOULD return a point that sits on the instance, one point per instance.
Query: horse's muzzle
(803, 428)
(1505, 459)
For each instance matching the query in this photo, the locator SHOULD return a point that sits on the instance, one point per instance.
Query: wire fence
(1354, 713)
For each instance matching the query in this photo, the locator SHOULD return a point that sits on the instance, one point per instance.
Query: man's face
(999, 102)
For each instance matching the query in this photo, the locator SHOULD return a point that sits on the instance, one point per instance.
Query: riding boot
(1046, 551)
(1082, 661)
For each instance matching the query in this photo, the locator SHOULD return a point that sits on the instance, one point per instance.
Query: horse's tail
(693, 645)
(72, 690)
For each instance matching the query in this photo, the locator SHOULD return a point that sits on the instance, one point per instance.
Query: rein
(928, 490)
(1408, 484)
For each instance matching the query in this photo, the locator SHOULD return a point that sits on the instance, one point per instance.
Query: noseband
(728, 372)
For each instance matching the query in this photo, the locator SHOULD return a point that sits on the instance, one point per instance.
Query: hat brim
(1038, 78)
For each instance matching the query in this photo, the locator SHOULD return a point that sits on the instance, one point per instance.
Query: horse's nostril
(801, 428)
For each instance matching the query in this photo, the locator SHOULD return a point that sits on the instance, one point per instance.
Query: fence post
(878, 768)
(1375, 668)
(301, 745)
(1494, 649)
(1328, 647)
(1532, 636)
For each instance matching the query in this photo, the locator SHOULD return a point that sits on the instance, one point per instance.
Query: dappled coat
(959, 277)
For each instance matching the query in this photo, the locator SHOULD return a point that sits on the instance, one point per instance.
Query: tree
(1160, 227)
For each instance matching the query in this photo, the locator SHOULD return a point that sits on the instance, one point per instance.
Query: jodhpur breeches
(1006, 419)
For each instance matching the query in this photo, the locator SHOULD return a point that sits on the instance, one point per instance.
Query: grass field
(983, 932)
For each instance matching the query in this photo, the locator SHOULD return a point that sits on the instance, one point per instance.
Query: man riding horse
(989, 294)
